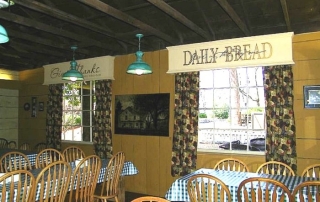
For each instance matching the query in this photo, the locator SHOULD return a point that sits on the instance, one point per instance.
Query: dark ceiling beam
(99, 5)
(286, 14)
(38, 49)
(206, 19)
(234, 16)
(50, 29)
(179, 17)
(53, 12)
(43, 41)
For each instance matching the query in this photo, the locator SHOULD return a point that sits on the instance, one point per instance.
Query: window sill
(76, 142)
(241, 152)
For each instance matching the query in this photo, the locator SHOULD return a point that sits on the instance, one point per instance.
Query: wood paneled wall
(152, 155)
(32, 130)
(306, 54)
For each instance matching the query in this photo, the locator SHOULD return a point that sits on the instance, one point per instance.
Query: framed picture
(311, 96)
(142, 114)
(41, 106)
(33, 106)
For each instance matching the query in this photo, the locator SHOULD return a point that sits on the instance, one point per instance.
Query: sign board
(98, 68)
(264, 50)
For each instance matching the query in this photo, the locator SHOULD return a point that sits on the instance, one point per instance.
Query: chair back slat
(84, 179)
(231, 164)
(275, 168)
(262, 189)
(25, 146)
(19, 186)
(73, 153)
(204, 187)
(3, 143)
(47, 156)
(308, 191)
(312, 171)
(55, 176)
(14, 161)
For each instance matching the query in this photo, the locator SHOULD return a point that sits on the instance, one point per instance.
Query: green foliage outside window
(221, 112)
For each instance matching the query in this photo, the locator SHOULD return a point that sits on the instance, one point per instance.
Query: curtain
(280, 138)
(102, 138)
(185, 134)
(54, 116)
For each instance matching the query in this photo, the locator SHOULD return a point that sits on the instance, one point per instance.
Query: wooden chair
(55, 176)
(149, 199)
(3, 143)
(262, 189)
(14, 161)
(47, 156)
(110, 186)
(312, 171)
(231, 164)
(40, 146)
(204, 187)
(308, 191)
(275, 168)
(73, 153)
(12, 144)
(19, 182)
(25, 146)
(84, 179)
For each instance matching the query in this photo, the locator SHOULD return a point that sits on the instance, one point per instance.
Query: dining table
(178, 190)
(128, 169)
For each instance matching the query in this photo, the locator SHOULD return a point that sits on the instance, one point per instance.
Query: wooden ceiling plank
(42, 41)
(53, 12)
(99, 5)
(53, 30)
(286, 14)
(179, 17)
(234, 16)
(206, 20)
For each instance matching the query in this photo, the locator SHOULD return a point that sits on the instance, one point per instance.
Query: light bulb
(139, 71)
(73, 78)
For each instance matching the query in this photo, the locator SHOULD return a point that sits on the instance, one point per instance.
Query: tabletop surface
(178, 190)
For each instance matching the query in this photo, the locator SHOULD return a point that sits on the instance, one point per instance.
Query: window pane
(78, 103)
(232, 110)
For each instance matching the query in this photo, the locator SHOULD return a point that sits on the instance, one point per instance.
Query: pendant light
(139, 67)
(3, 35)
(73, 74)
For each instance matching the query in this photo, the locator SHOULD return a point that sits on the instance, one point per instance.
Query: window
(232, 110)
(78, 111)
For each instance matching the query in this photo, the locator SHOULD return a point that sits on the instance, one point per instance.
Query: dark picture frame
(311, 96)
(34, 107)
(142, 114)
(41, 106)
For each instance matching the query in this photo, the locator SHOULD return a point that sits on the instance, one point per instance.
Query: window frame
(231, 151)
(91, 111)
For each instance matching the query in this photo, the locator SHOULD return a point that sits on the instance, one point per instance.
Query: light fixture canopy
(139, 67)
(3, 35)
(73, 74)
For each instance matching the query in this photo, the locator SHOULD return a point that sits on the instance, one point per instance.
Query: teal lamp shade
(139, 67)
(3, 35)
(73, 74)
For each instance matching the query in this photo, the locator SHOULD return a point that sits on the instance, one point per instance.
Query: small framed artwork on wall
(33, 106)
(41, 106)
(311, 96)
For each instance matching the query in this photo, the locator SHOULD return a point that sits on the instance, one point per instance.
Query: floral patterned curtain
(280, 140)
(102, 139)
(185, 136)
(54, 116)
